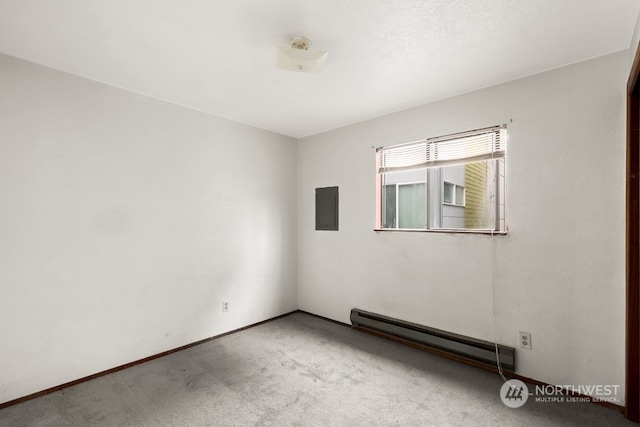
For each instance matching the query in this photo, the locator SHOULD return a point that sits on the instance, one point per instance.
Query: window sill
(441, 231)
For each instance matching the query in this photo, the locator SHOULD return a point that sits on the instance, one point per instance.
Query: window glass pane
(464, 190)
(389, 203)
(459, 195)
(411, 206)
(448, 192)
(480, 195)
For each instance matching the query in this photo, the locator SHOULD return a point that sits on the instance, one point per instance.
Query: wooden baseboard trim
(426, 348)
(131, 364)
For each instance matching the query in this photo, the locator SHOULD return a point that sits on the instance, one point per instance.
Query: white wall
(635, 40)
(560, 272)
(125, 223)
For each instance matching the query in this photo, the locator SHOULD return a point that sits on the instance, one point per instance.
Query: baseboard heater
(470, 350)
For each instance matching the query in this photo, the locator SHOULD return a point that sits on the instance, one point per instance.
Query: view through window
(454, 182)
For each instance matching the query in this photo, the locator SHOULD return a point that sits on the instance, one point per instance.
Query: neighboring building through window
(455, 182)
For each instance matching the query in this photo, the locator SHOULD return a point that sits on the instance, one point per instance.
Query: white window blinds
(466, 147)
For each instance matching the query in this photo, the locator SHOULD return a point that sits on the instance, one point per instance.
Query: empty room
(355, 213)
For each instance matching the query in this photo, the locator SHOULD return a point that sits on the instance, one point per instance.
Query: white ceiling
(218, 56)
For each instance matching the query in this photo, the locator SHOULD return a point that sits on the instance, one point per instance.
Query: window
(453, 194)
(454, 182)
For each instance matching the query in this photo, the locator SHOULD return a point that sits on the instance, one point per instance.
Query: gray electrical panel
(327, 208)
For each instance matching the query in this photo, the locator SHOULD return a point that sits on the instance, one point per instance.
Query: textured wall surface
(559, 274)
(125, 223)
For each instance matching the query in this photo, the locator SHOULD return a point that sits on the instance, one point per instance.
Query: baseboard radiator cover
(478, 352)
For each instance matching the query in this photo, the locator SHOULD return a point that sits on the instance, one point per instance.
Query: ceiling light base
(299, 58)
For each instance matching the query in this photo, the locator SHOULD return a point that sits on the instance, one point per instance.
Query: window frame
(496, 136)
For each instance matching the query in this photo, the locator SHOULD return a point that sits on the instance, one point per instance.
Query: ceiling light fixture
(299, 58)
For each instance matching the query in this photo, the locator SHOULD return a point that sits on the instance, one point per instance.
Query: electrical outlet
(525, 340)
(225, 306)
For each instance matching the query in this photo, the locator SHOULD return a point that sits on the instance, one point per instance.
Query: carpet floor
(298, 370)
